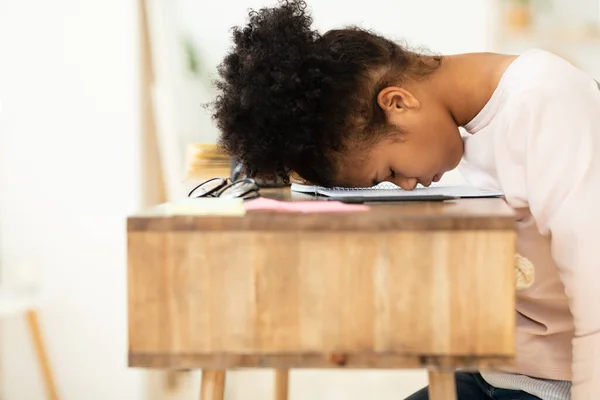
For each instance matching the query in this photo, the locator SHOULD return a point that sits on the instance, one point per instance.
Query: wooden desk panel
(401, 286)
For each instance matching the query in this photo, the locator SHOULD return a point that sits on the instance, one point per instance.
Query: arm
(561, 134)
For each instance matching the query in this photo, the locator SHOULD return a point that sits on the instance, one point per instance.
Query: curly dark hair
(292, 100)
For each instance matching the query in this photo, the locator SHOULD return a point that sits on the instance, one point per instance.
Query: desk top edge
(463, 214)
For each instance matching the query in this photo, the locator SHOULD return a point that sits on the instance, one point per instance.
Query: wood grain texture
(465, 214)
(213, 385)
(281, 384)
(442, 385)
(329, 361)
(346, 295)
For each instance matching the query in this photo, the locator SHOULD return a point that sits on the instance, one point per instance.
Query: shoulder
(539, 78)
(550, 107)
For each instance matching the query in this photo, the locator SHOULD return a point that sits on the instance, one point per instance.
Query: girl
(351, 108)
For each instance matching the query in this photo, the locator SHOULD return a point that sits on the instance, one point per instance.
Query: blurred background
(99, 102)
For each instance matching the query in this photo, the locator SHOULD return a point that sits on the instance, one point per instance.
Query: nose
(407, 183)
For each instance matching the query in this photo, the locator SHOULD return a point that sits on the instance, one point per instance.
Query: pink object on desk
(316, 206)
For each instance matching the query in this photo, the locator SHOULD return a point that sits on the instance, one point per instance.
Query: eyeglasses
(224, 188)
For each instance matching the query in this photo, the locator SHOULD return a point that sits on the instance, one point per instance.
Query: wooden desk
(413, 285)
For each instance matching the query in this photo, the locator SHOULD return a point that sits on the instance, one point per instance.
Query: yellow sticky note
(206, 206)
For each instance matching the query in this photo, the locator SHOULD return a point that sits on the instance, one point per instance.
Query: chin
(447, 167)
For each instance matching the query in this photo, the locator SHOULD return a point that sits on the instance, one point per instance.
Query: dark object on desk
(238, 172)
(387, 199)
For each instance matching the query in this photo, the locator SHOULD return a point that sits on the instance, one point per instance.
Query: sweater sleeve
(560, 132)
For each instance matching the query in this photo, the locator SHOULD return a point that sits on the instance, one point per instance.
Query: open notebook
(387, 191)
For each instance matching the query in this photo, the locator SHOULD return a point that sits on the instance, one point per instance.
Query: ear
(394, 99)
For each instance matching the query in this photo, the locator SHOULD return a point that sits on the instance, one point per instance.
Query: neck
(466, 82)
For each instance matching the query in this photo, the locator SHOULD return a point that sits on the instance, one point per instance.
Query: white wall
(69, 174)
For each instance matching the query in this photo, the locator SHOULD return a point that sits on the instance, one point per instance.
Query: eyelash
(392, 173)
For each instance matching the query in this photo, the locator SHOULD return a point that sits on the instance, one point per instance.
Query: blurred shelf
(590, 36)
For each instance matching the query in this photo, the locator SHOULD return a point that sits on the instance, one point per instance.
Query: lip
(437, 177)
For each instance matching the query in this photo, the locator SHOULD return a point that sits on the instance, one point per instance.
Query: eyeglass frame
(224, 185)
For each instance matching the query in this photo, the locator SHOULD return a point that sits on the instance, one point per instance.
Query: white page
(390, 190)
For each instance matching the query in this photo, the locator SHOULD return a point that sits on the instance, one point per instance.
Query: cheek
(421, 156)
(416, 160)
(439, 139)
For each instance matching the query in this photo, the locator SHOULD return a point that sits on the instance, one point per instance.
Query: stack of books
(206, 161)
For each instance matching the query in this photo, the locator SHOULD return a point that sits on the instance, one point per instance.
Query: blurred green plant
(535, 3)
(195, 66)
(191, 55)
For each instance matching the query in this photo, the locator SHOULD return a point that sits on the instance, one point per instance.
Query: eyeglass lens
(239, 189)
(208, 187)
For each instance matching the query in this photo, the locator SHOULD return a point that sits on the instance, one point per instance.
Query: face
(426, 144)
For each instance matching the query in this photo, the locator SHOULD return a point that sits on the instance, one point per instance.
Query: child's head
(347, 107)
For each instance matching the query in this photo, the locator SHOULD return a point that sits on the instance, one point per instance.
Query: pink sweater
(538, 140)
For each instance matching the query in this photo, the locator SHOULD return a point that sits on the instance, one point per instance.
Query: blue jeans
(473, 387)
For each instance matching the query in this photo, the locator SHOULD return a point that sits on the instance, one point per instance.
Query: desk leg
(281, 384)
(213, 385)
(442, 385)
